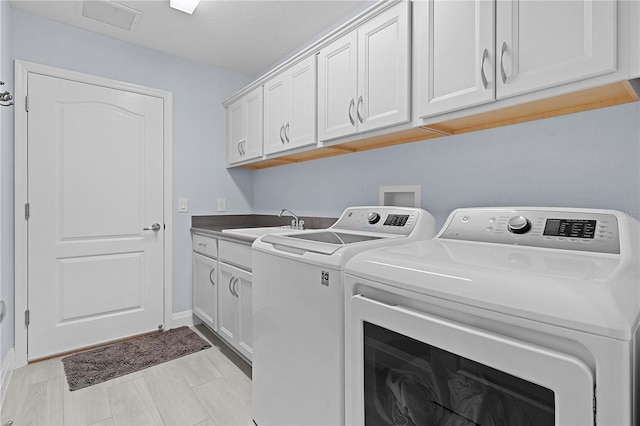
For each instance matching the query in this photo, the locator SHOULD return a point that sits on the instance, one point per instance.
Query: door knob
(154, 227)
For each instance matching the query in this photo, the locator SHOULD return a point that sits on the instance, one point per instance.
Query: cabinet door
(205, 299)
(252, 102)
(227, 303)
(547, 43)
(235, 131)
(454, 55)
(337, 88)
(300, 128)
(384, 69)
(274, 114)
(245, 314)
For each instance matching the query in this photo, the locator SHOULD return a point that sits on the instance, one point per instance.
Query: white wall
(589, 159)
(199, 171)
(6, 186)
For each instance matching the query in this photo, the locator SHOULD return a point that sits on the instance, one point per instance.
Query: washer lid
(593, 293)
(323, 242)
(339, 238)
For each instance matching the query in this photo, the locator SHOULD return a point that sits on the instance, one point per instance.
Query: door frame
(22, 68)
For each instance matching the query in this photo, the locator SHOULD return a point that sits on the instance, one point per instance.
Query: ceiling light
(186, 6)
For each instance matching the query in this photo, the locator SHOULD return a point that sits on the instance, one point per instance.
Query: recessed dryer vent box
(401, 196)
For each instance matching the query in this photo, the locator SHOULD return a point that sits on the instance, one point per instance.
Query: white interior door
(95, 182)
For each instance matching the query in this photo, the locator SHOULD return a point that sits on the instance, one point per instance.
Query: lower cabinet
(205, 291)
(234, 307)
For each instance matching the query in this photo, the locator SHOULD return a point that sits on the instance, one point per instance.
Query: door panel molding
(22, 69)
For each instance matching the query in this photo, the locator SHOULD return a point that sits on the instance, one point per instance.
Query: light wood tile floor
(210, 387)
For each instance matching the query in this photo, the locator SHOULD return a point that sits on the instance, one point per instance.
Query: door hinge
(26, 103)
(26, 318)
(27, 210)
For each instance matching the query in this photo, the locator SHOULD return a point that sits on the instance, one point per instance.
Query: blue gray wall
(588, 159)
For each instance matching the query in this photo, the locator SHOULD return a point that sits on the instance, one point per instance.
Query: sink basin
(259, 232)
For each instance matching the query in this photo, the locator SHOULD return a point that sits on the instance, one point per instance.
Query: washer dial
(373, 218)
(519, 225)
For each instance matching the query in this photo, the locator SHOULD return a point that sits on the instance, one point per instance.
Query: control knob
(373, 218)
(519, 225)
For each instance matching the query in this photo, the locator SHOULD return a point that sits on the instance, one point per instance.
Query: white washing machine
(298, 311)
(515, 316)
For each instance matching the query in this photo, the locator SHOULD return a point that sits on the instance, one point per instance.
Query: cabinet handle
(351, 105)
(211, 273)
(281, 137)
(485, 83)
(286, 130)
(240, 147)
(235, 287)
(231, 282)
(360, 102)
(502, 73)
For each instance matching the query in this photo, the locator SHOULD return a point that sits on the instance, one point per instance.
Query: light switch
(183, 205)
(222, 204)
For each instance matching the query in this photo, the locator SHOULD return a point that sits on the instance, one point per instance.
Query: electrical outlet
(183, 205)
(222, 204)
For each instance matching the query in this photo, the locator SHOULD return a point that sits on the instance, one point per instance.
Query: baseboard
(5, 376)
(184, 318)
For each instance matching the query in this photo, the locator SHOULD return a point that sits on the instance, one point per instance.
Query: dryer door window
(408, 382)
(408, 367)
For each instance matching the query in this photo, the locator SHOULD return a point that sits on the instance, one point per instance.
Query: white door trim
(22, 68)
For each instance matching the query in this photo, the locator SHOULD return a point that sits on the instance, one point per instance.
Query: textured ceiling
(246, 36)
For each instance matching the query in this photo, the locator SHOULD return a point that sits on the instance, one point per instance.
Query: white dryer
(298, 311)
(516, 316)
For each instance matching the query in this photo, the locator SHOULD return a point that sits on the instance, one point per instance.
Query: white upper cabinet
(337, 88)
(454, 54)
(244, 128)
(290, 108)
(540, 44)
(363, 77)
(537, 45)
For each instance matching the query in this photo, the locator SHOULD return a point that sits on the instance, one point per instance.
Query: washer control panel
(382, 219)
(561, 229)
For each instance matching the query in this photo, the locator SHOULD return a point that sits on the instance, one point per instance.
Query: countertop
(214, 224)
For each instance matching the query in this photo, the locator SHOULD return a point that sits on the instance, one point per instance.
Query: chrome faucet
(296, 223)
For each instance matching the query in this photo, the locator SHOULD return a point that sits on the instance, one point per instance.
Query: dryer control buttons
(519, 225)
(373, 218)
